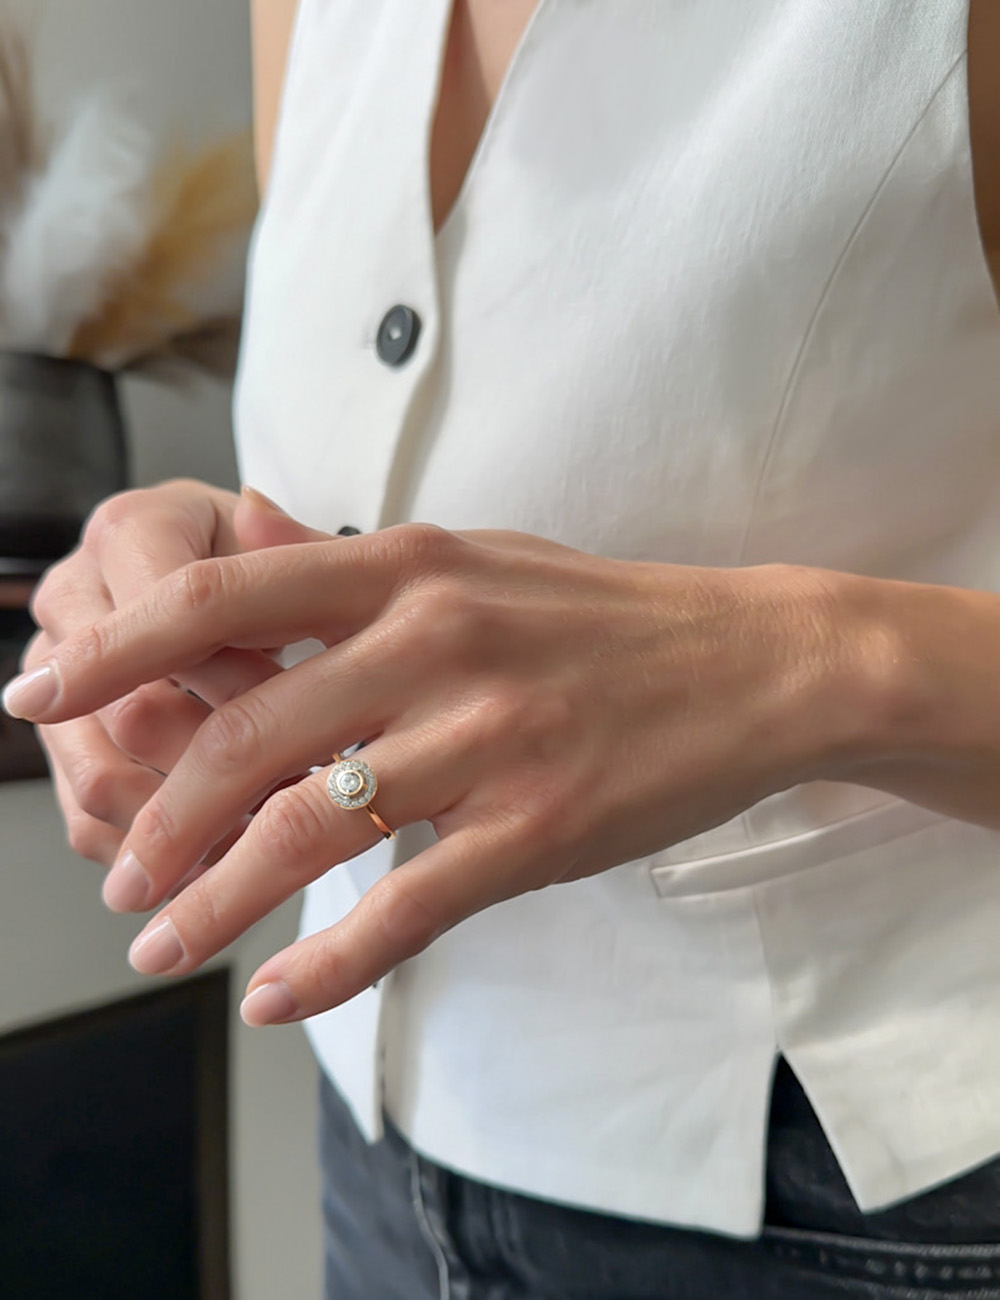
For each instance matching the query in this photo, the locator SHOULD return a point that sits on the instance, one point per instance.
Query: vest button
(397, 335)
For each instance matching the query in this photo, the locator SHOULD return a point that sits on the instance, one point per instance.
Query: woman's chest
(482, 38)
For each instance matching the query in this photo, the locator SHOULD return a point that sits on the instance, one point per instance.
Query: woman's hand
(553, 714)
(108, 764)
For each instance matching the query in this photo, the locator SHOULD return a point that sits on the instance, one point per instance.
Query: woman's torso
(711, 291)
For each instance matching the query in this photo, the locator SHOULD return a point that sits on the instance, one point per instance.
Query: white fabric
(713, 293)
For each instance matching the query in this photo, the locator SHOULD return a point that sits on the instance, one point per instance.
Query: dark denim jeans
(401, 1228)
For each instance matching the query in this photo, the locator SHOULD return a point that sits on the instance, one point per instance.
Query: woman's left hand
(551, 713)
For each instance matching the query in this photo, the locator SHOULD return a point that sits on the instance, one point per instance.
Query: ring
(352, 784)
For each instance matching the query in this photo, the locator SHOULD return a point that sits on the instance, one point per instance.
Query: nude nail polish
(127, 886)
(271, 1004)
(157, 950)
(259, 499)
(32, 693)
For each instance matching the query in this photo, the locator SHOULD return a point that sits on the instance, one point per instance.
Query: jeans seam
(427, 1228)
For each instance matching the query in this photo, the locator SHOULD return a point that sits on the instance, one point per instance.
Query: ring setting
(352, 784)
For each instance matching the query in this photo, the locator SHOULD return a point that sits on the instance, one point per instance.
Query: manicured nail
(127, 886)
(32, 693)
(271, 1004)
(157, 950)
(259, 499)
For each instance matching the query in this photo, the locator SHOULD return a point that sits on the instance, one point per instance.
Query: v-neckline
(490, 126)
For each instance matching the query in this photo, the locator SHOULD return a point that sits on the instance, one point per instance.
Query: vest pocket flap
(756, 864)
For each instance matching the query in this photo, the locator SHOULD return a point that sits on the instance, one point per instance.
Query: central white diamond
(349, 783)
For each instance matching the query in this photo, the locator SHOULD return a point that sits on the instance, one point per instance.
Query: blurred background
(187, 66)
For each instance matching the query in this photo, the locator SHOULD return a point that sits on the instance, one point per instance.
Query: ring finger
(294, 839)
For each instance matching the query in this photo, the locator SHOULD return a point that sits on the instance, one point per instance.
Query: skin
(570, 712)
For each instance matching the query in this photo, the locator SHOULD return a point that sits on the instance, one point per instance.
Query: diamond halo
(351, 784)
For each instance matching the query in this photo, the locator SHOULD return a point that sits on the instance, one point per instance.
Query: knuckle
(201, 902)
(232, 738)
(289, 826)
(110, 514)
(531, 725)
(86, 838)
(195, 588)
(444, 621)
(132, 722)
(419, 549)
(545, 722)
(483, 723)
(94, 787)
(89, 646)
(404, 920)
(117, 522)
(155, 833)
(553, 814)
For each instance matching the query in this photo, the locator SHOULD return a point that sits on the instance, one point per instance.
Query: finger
(88, 837)
(133, 541)
(71, 595)
(155, 724)
(244, 749)
(260, 523)
(98, 779)
(295, 838)
(227, 674)
(139, 544)
(327, 590)
(216, 855)
(140, 537)
(129, 543)
(400, 916)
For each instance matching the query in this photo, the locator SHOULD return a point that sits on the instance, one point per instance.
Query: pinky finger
(400, 916)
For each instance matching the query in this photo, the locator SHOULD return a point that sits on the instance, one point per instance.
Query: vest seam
(809, 332)
(775, 1053)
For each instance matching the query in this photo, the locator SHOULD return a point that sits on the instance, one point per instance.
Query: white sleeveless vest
(713, 293)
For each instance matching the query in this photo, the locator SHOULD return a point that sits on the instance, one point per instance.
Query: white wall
(188, 61)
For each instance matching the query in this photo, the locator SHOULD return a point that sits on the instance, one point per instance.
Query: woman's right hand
(106, 766)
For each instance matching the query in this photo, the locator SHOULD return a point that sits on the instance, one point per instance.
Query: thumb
(260, 523)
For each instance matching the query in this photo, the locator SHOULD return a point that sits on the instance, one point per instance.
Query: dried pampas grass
(108, 255)
(22, 141)
(23, 144)
(81, 223)
(203, 204)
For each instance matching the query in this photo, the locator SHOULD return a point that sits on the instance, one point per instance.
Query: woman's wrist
(906, 696)
(834, 684)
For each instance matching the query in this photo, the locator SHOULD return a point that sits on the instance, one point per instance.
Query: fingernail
(259, 499)
(157, 950)
(126, 886)
(31, 693)
(271, 1004)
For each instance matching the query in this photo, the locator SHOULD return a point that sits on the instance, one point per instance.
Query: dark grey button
(348, 531)
(397, 335)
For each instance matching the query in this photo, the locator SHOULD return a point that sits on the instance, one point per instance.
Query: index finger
(326, 590)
